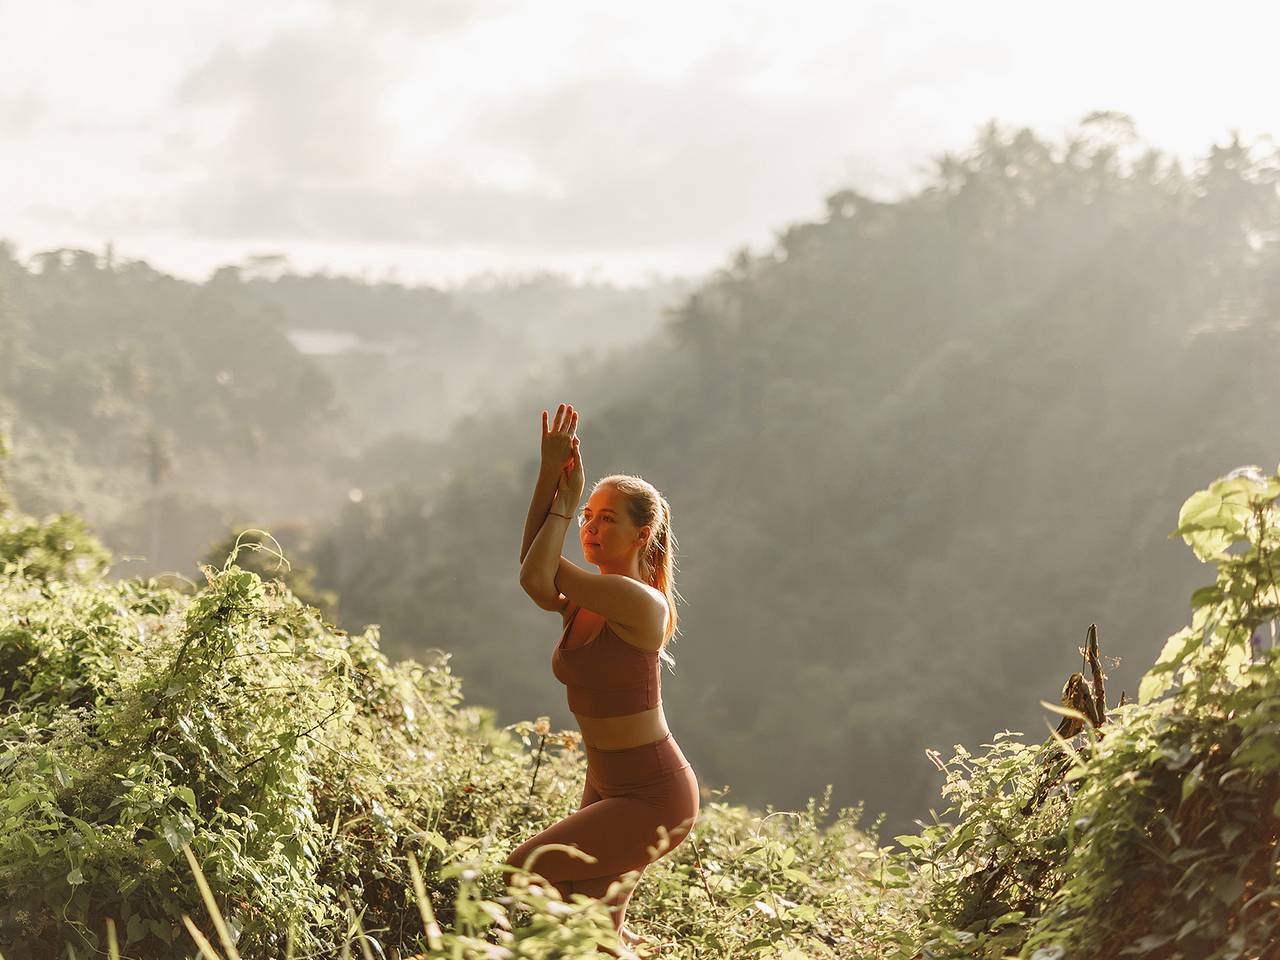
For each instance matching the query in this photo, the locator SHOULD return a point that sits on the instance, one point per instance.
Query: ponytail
(661, 564)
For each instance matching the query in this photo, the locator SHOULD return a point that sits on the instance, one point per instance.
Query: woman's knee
(548, 864)
(516, 859)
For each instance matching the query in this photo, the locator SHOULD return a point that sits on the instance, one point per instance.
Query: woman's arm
(562, 480)
(542, 562)
(543, 491)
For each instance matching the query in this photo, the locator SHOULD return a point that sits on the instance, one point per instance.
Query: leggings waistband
(633, 765)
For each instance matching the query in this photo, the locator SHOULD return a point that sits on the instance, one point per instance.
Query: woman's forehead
(606, 498)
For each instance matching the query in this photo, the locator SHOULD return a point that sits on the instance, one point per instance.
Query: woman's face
(607, 533)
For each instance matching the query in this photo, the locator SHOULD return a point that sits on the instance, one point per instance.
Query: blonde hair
(649, 508)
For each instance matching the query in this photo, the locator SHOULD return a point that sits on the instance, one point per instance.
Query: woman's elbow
(538, 592)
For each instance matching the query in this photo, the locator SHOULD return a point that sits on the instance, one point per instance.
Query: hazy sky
(437, 138)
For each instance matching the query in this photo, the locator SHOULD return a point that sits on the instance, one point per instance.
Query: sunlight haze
(429, 142)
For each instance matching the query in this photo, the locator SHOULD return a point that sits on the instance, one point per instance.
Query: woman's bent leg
(618, 832)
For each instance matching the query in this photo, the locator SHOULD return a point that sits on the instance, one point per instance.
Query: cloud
(620, 163)
(419, 17)
(291, 144)
(21, 112)
(303, 106)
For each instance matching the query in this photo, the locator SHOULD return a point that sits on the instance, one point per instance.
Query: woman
(616, 625)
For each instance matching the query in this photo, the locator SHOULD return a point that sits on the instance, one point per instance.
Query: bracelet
(554, 514)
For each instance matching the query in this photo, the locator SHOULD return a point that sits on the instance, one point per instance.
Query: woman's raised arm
(543, 554)
(548, 477)
(543, 491)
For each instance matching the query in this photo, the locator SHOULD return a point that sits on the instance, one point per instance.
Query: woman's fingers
(569, 420)
(565, 422)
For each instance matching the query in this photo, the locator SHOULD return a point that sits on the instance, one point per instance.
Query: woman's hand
(557, 441)
(573, 479)
(562, 453)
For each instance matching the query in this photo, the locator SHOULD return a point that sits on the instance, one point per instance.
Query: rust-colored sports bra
(606, 676)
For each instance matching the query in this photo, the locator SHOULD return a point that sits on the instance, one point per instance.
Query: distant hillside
(167, 411)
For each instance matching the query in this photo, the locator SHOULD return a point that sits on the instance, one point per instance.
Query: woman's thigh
(617, 831)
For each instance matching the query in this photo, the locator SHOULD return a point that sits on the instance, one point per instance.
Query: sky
(432, 140)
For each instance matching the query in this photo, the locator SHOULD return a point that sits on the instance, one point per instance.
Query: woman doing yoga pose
(616, 626)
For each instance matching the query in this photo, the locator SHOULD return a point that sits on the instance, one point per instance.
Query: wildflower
(542, 726)
(570, 739)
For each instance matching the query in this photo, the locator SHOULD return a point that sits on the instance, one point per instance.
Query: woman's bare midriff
(619, 733)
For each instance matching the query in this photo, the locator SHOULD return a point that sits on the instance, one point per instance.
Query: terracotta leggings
(628, 794)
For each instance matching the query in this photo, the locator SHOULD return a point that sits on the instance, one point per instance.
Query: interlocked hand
(561, 451)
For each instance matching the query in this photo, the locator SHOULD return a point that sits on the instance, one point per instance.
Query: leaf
(436, 840)
(186, 794)
(1075, 773)
(1191, 780)
(1148, 943)
(1228, 889)
(177, 831)
(1177, 647)
(1202, 506)
(1230, 831)
(20, 802)
(1153, 686)
(1065, 711)
(171, 835)
(1011, 917)
(1206, 595)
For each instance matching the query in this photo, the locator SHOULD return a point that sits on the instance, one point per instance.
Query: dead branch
(1095, 667)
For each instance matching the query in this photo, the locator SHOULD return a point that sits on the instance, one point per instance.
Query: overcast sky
(439, 138)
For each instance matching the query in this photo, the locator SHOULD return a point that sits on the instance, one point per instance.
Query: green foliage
(61, 547)
(1157, 836)
(235, 720)
(264, 556)
(303, 771)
